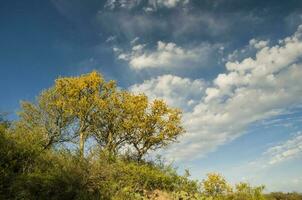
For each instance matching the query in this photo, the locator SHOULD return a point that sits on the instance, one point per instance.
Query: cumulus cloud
(167, 55)
(258, 44)
(176, 91)
(253, 89)
(247, 51)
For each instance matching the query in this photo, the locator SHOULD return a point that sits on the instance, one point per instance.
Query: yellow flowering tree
(131, 121)
(66, 110)
(152, 125)
(45, 118)
(81, 97)
(88, 106)
(215, 186)
(110, 123)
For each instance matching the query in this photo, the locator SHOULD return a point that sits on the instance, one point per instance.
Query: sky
(233, 66)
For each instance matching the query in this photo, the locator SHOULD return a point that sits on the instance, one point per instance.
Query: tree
(4, 124)
(81, 97)
(47, 118)
(282, 196)
(109, 127)
(66, 110)
(151, 125)
(130, 120)
(247, 192)
(87, 105)
(215, 186)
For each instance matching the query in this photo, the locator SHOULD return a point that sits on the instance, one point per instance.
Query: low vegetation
(84, 138)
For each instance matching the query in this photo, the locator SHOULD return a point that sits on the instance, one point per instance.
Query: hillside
(44, 154)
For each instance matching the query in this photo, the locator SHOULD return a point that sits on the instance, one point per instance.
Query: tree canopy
(38, 159)
(78, 108)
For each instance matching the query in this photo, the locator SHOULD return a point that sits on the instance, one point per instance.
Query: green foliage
(247, 192)
(29, 172)
(284, 196)
(132, 178)
(78, 108)
(4, 124)
(55, 177)
(35, 164)
(16, 158)
(216, 186)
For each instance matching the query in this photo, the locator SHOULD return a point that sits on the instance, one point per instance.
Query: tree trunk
(81, 144)
(110, 144)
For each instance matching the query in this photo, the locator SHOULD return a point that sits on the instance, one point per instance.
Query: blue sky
(234, 67)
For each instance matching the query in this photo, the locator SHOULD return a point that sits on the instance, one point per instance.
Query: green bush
(29, 172)
(15, 159)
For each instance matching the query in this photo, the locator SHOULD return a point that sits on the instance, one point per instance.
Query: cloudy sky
(233, 66)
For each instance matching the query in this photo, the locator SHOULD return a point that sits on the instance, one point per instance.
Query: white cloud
(258, 44)
(129, 25)
(284, 151)
(176, 91)
(251, 90)
(250, 49)
(287, 150)
(138, 48)
(201, 23)
(134, 41)
(127, 4)
(111, 38)
(167, 3)
(266, 168)
(168, 55)
(151, 5)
